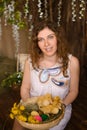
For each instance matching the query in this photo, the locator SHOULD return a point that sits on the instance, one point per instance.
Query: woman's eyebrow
(52, 34)
(47, 35)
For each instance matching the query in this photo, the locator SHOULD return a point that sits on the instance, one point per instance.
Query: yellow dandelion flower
(22, 108)
(33, 121)
(11, 116)
(30, 118)
(15, 111)
(15, 105)
(19, 112)
(22, 118)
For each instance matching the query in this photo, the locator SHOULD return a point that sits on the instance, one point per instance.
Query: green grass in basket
(34, 107)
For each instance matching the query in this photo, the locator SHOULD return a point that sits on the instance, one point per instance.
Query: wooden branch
(50, 10)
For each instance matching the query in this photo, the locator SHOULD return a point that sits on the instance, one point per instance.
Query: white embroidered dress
(52, 81)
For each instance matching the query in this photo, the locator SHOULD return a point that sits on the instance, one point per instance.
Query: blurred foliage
(15, 16)
(12, 80)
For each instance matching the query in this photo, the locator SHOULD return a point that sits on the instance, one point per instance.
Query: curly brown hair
(62, 50)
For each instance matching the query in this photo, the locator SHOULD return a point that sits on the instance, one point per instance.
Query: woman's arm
(74, 81)
(25, 87)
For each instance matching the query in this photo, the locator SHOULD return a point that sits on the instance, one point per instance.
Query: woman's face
(47, 42)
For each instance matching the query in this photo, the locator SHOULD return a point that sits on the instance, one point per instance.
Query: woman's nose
(46, 43)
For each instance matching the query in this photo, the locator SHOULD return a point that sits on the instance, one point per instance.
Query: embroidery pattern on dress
(46, 73)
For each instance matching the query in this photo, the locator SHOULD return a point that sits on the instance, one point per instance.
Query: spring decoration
(12, 80)
(82, 6)
(59, 12)
(38, 110)
(22, 14)
(46, 12)
(39, 5)
(17, 12)
(73, 10)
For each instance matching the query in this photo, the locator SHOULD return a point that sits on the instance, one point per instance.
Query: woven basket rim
(41, 126)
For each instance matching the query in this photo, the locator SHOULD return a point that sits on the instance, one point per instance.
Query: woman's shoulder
(74, 61)
(73, 58)
(27, 61)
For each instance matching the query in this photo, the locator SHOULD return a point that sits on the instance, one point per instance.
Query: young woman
(50, 69)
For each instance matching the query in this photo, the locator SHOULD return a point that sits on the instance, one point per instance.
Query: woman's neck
(47, 62)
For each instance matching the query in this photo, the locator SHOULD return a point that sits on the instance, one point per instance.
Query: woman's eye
(50, 37)
(40, 40)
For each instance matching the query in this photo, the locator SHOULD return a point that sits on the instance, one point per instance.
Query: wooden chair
(21, 57)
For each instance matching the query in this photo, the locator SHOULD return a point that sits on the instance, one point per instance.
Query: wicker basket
(45, 125)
